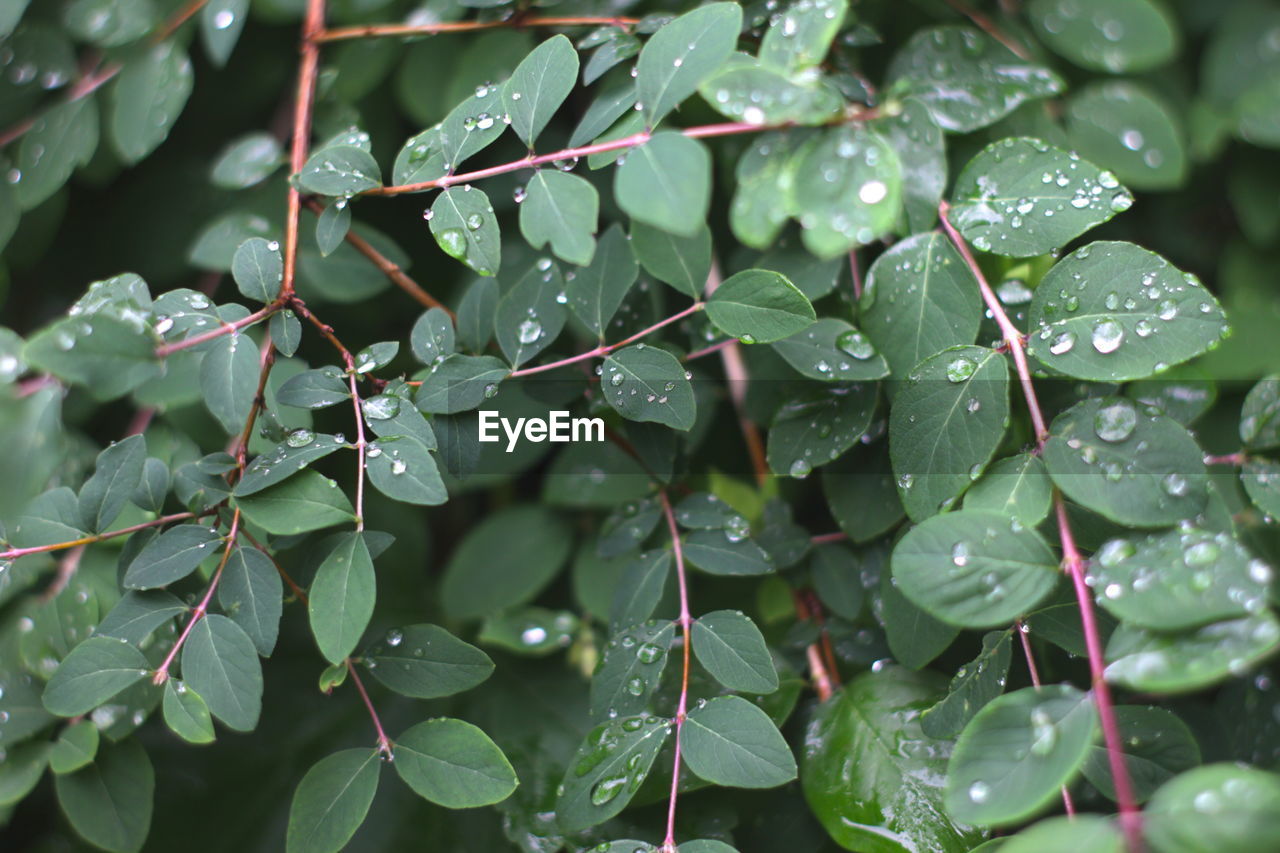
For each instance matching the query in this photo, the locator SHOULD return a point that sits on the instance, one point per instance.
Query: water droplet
(1116, 420)
(960, 369)
(300, 438)
(855, 344)
(1107, 336)
(394, 637)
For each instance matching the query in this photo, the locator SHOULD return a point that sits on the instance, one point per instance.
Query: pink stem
(824, 538)
(1236, 459)
(15, 553)
(686, 622)
(856, 273)
(225, 329)
(605, 349)
(1067, 803)
(714, 348)
(162, 674)
(384, 742)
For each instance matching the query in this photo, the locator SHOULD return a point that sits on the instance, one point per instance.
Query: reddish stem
(635, 139)
(225, 329)
(304, 98)
(1020, 629)
(824, 538)
(714, 348)
(15, 553)
(1012, 337)
(384, 743)
(989, 27)
(1234, 459)
(605, 349)
(162, 674)
(686, 622)
(856, 273)
(393, 30)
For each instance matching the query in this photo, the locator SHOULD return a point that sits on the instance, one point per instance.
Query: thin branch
(304, 101)
(825, 538)
(735, 371)
(1013, 338)
(636, 139)
(224, 329)
(686, 623)
(384, 743)
(1072, 562)
(104, 74)
(988, 26)
(516, 22)
(714, 348)
(15, 553)
(856, 273)
(1020, 628)
(266, 360)
(1233, 459)
(388, 267)
(360, 447)
(822, 679)
(162, 674)
(605, 349)
(67, 567)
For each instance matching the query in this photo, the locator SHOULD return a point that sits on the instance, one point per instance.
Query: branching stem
(686, 623)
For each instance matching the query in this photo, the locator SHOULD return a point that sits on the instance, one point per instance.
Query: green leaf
(1152, 471)
(607, 770)
(221, 22)
(432, 337)
(561, 209)
(1123, 127)
(1261, 479)
(1260, 415)
(74, 748)
(110, 802)
(1016, 486)
(1128, 314)
(648, 384)
(220, 663)
(834, 572)
(530, 631)
(819, 427)
(531, 316)
(539, 85)
(757, 214)
(729, 741)
(463, 223)
(340, 170)
(247, 161)
(733, 650)
(1067, 834)
(332, 226)
(1227, 808)
(759, 306)
(470, 127)
(1154, 662)
(332, 800)
(147, 98)
(481, 578)
(890, 797)
(757, 93)
(967, 79)
(314, 389)
(258, 269)
(1017, 752)
(153, 487)
(915, 638)
(137, 614)
(1021, 197)
(726, 552)
(847, 188)
(453, 764)
(800, 37)
(307, 501)
(919, 141)
(683, 53)
(252, 595)
(920, 299)
(973, 686)
(1119, 37)
(109, 23)
(831, 350)
(171, 556)
(461, 383)
(426, 662)
(1180, 579)
(229, 380)
(640, 588)
(682, 262)
(186, 714)
(1157, 747)
(117, 473)
(342, 597)
(110, 357)
(945, 426)
(666, 182)
(402, 468)
(630, 669)
(96, 670)
(60, 140)
(21, 771)
(475, 314)
(299, 449)
(974, 569)
(596, 291)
